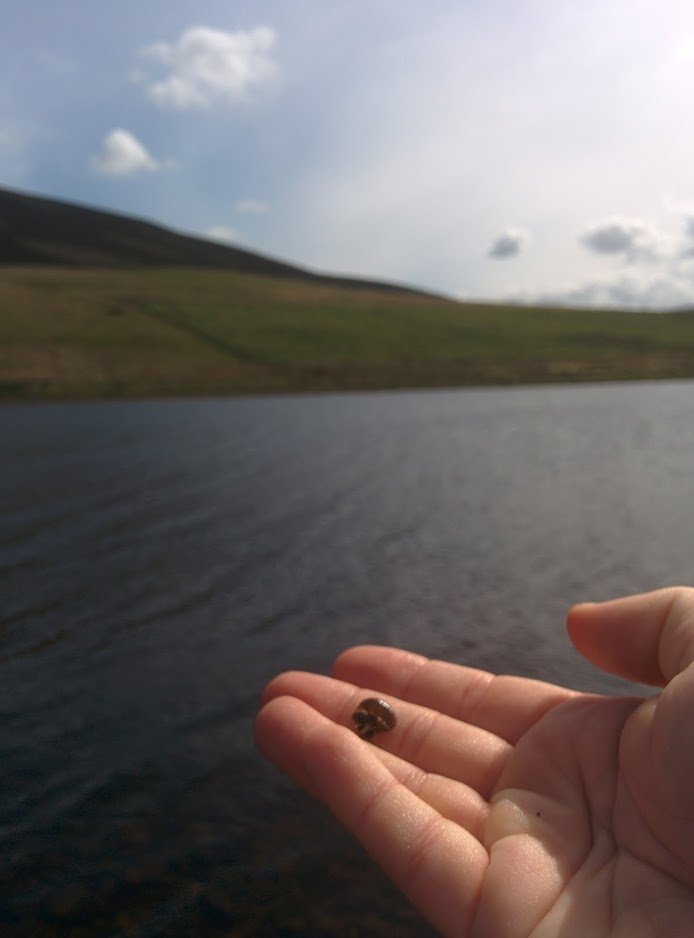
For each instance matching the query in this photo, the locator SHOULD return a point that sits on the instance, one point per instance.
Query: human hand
(509, 808)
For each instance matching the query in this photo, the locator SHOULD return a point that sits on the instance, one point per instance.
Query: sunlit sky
(536, 150)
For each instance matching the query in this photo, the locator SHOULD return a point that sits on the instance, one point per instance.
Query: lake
(160, 561)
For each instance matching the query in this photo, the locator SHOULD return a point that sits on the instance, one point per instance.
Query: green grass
(74, 334)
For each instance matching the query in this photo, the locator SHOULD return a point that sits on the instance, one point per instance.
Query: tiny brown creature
(372, 716)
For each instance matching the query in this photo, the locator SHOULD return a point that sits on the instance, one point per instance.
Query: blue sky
(531, 150)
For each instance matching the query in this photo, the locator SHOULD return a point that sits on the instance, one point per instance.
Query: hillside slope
(72, 334)
(36, 230)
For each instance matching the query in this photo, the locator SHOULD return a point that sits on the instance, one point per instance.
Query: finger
(503, 705)
(422, 737)
(647, 638)
(437, 863)
(453, 800)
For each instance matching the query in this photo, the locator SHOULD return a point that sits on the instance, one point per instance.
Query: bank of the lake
(75, 334)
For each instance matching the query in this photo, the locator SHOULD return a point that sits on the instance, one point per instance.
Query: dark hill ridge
(35, 230)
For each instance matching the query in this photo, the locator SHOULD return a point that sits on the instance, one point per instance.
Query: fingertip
(278, 686)
(356, 653)
(270, 722)
(621, 636)
(367, 665)
(576, 619)
(586, 609)
(281, 731)
(584, 606)
(579, 615)
(350, 659)
(588, 617)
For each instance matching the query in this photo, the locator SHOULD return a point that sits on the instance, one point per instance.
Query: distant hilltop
(36, 230)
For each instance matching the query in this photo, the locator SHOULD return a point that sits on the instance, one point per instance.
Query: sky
(531, 150)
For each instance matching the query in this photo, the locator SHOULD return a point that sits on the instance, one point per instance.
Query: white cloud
(629, 238)
(670, 288)
(689, 233)
(652, 267)
(684, 245)
(509, 244)
(223, 233)
(207, 65)
(252, 207)
(122, 154)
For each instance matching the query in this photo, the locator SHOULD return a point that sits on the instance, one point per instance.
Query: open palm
(509, 808)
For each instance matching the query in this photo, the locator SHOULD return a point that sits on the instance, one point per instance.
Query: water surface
(160, 561)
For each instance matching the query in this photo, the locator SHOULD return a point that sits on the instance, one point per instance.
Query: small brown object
(373, 715)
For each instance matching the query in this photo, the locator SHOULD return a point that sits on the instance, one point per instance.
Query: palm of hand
(504, 808)
(571, 829)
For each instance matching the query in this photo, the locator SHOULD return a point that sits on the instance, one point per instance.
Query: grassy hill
(121, 323)
(151, 332)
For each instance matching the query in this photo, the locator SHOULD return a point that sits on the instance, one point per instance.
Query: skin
(508, 808)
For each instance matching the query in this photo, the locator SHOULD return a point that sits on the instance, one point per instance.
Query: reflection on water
(160, 561)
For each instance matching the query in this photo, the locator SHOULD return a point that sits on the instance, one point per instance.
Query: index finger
(433, 860)
(501, 704)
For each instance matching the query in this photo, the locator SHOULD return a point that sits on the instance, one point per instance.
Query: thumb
(647, 638)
